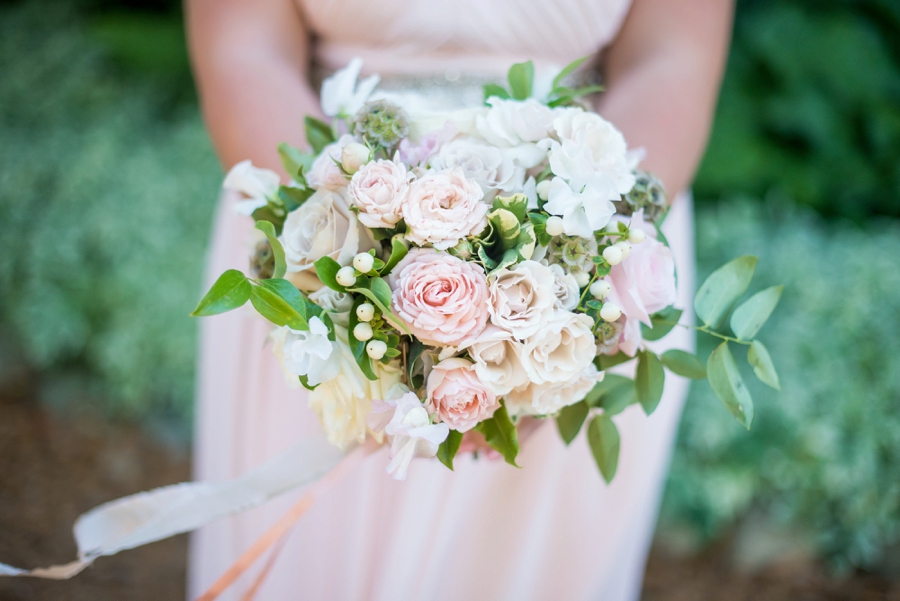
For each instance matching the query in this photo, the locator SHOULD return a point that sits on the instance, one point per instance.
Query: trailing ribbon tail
(150, 516)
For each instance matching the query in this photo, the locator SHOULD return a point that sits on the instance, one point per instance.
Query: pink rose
(442, 299)
(442, 208)
(378, 189)
(457, 397)
(324, 173)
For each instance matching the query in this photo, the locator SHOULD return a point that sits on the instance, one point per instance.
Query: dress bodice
(448, 37)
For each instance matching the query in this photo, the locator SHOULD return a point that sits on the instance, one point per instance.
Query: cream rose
(560, 350)
(512, 122)
(442, 299)
(442, 208)
(493, 168)
(378, 190)
(457, 397)
(324, 172)
(565, 287)
(547, 399)
(496, 356)
(522, 298)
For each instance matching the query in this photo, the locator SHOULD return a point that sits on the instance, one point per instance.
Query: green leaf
(759, 358)
(415, 351)
(722, 290)
(663, 322)
(293, 197)
(289, 293)
(603, 437)
(650, 378)
(295, 161)
(492, 89)
(380, 294)
(568, 70)
(684, 364)
(517, 204)
(570, 420)
(270, 305)
(726, 382)
(357, 346)
(750, 316)
(277, 249)
(230, 291)
(507, 227)
(326, 269)
(500, 433)
(398, 251)
(613, 394)
(304, 380)
(539, 221)
(605, 362)
(448, 449)
(318, 134)
(521, 80)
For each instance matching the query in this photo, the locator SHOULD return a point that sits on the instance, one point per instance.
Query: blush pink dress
(550, 530)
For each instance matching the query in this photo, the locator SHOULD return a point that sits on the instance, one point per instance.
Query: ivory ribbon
(150, 516)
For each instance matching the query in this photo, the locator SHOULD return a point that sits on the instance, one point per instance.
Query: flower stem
(706, 330)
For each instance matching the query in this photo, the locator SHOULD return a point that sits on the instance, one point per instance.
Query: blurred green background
(108, 184)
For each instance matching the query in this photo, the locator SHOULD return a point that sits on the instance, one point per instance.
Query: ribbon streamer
(150, 516)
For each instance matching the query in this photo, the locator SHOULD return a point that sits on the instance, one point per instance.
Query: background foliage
(108, 183)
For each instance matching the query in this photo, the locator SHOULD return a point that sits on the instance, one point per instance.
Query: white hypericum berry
(624, 247)
(365, 312)
(636, 235)
(582, 278)
(376, 349)
(610, 312)
(543, 189)
(600, 289)
(363, 332)
(346, 276)
(613, 255)
(353, 156)
(554, 225)
(363, 262)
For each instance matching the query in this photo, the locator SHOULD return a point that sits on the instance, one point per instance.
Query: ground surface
(54, 466)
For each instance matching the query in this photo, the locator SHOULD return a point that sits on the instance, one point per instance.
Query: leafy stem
(706, 330)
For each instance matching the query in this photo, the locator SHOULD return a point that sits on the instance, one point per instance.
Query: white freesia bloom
(324, 172)
(522, 298)
(308, 353)
(340, 93)
(411, 431)
(512, 122)
(493, 168)
(496, 356)
(547, 399)
(254, 183)
(583, 211)
(565, 287)
(560, 350)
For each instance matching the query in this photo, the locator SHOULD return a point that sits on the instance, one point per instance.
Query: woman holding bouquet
(552, 530)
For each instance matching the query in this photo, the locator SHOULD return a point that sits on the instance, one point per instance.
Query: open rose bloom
(435, 276)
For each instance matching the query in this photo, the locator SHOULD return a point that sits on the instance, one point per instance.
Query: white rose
(324, 172)
(442, 208)
(512, 122)
(521, 298)
(496, 356)
(584, 210)
(322, 226)
(308, 352)
(338, 304)
(560, 350)
(565, 287)
(378, 190)
(547, 399)
(493, 168)
(256, 184)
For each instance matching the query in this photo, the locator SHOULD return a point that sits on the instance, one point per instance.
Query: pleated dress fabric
(487, 531)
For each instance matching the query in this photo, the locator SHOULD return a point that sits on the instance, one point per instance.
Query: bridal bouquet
(430, 274)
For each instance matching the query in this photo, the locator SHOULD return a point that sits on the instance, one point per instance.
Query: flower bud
(363, 262)
(375, 348)
(610, 312)
(636, 235)
(346, 276)
(613, 255)
(543, 189)
(624, 247)
(353, 156)
(365, 312)
(362, 332)
(600, 289)
(582, 278)
(554, 225)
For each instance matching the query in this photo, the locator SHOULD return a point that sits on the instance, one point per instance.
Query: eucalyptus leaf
(663, 322)
(613, 394)
(500, 434)
(230, 291)
(750, 315)
(649, 381)
(758, 357)
(277, 249)
(604, 362)
(726, 382)
(521, 80)
(318, 134)
(570, 420)
(603, 438)
(722, 290)
(448, 449)
(684, 364)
